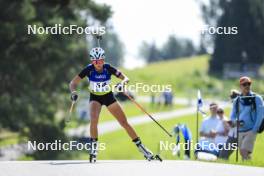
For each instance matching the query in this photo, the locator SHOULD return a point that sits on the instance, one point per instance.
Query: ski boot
(93, 151)
(146, 152)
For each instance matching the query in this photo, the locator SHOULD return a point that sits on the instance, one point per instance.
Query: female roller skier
(99, 77)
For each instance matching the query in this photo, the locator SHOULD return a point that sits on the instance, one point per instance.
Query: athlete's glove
(74, 96)
(119, 87)
(125, 81)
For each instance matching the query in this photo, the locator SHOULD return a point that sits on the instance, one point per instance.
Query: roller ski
(93, 151)
(146, 152)
(92, 158)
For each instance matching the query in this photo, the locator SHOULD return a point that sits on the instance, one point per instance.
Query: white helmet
(97, 53)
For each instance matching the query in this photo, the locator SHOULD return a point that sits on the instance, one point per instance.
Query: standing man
(248, 108)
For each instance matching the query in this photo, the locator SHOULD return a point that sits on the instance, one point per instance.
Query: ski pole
(237, 129)
(99, 37)
(70, 111)
(142, 109)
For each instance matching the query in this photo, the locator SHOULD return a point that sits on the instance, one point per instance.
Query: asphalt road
(124, 168)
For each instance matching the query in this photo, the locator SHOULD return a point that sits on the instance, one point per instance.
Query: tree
(154, 53)
(35, 69)
(150, 52)
(246, 46)
(247, 16)
(177, 47)
(189, 49)
(171, 49)
(211, 12)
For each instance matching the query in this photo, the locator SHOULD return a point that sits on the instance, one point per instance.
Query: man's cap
(244, 80)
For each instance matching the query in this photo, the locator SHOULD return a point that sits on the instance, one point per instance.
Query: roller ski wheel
(149, 158)
(157, 157)
(92, 158)
(93, 151)
(147, 153)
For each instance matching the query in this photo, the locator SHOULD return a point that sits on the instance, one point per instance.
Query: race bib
(100, 86)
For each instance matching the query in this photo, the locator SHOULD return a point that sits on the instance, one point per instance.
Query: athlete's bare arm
(74, 82)
(124, 78)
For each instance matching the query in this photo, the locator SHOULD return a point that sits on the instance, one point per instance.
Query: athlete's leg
(95, 109)
(116, 110)
(118, 113)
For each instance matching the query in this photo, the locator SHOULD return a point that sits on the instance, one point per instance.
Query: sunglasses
(220, 112)
(99, 61)
(246, 84)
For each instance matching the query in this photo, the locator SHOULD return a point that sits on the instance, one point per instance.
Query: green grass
(162, 71)
(130, 110)
(119, 145)
(178, 73)
(9, 138)
(186, 75)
